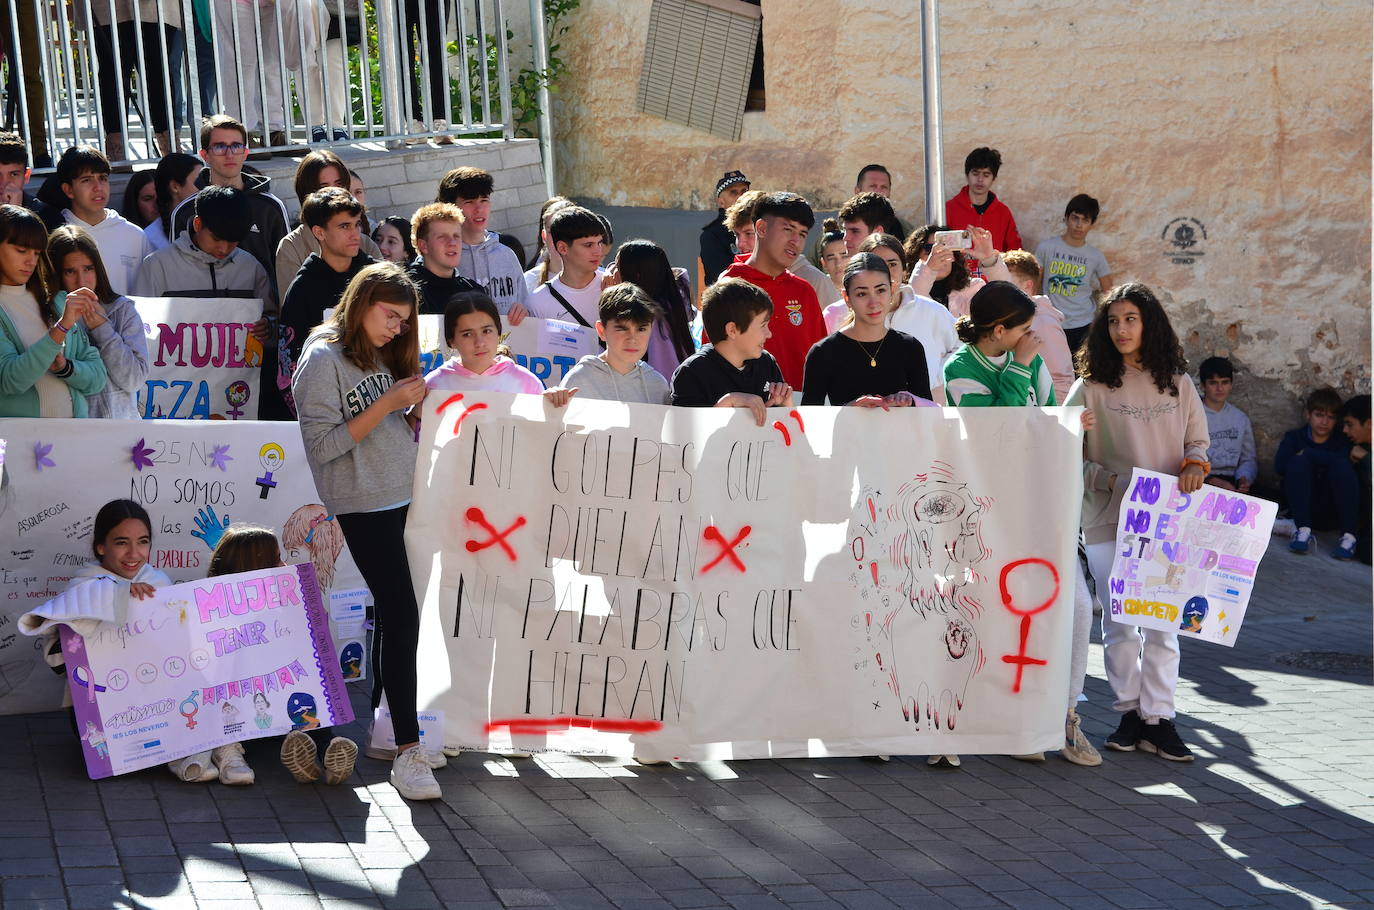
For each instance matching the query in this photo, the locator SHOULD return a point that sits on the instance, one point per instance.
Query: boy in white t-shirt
(579, 238)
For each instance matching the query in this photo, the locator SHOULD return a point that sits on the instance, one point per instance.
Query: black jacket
(717, 248)
(316, 288)
(435, 292)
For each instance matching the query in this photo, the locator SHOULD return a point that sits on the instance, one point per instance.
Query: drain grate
(1329, 662)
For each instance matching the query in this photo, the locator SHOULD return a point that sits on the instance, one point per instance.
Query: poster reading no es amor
(1187, 562)
(682, 583)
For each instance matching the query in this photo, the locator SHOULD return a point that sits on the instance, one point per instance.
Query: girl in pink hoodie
(472, 326)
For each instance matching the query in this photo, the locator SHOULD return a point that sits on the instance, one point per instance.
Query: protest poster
(200, 665)
(194, 478)
(1186, 562)
(681, 583)
(203, 361)
(548, 348)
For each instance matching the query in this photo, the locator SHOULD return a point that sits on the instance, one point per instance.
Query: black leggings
(115, 86)
(377, 542)
(435, 54)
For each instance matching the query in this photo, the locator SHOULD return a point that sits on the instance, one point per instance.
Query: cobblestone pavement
(1278, 810)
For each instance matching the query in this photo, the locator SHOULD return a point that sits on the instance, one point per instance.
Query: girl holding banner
(357, 376)
(1135, 377)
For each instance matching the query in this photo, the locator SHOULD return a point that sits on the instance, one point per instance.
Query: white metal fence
(135, 77)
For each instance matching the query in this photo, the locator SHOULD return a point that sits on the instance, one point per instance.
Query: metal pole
(390, 69)
(930, 84)
(541, 65)
(503, 74)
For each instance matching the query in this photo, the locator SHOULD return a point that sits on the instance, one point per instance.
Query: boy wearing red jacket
(781, 223)
(977, 206)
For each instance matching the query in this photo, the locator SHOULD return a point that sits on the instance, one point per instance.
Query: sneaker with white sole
(1077, 749)
(412, 776)
(437, 758)
(1301, 542)
(340, 757)
(233, 768)
(1163, 740)
(1127, 734)
(945, 761)
(1284, 527)
(1345, 549)
(298, 757)
(194, 769)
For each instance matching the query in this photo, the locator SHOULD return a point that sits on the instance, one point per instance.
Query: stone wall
(1250, 122)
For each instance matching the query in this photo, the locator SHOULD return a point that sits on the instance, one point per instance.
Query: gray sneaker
(1077, 749)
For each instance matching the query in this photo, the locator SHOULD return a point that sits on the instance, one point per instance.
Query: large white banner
(1186, 562)
(681, 583)
(193, 477)
(548, 348)
(203, 361)
(202, 664)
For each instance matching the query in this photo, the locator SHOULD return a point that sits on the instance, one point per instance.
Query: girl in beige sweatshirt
(1148, 415)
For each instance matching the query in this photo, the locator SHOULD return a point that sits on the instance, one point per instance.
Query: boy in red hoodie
(977, 206)
(781, 223)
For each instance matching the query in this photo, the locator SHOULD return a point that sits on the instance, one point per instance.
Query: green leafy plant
(525, 85)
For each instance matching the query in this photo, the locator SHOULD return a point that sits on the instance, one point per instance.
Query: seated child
(1355, 422)
(1232, 453)
(625, 321)
(472, 326)
(246, 548)
(1318, 480)
(734, 371)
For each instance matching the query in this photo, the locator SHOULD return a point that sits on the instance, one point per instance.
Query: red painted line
(554, 724)
(786, 436)
(797, 417)
(452, 399)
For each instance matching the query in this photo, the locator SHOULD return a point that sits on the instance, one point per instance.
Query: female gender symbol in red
(498, 538)
(1020, 659)
(727, 547)
(453, 399)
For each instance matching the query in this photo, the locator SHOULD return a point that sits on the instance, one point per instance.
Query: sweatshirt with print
(1137, 426)
(493, 265)
(373, 473)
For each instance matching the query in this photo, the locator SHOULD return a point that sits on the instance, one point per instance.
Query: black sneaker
(1163, 740)
(1127, 732)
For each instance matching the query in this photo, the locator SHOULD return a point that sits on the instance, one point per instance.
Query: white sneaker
(416, 127)
(951, 761)
(194, 769)
(233, 769)
(439, 127)
(1284, 527)
(1077, 749)
(437, 758)
(412, 776)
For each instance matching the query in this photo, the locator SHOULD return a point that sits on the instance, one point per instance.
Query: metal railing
(135, 77)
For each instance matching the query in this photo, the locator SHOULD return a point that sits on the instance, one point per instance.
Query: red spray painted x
(498, 538)
(727, 547)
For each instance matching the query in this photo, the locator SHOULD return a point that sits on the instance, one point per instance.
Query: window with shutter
(698, 62)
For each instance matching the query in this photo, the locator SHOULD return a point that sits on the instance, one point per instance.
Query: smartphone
(954, 240)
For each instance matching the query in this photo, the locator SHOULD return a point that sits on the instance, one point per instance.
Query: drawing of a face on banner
(312, 533)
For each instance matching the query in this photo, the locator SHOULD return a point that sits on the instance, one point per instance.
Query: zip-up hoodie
(122, 244)
(265, 233)
(504, 375)
(493, 265)
(376, 472)
(593, 377)
(185, 270)
(316, 288)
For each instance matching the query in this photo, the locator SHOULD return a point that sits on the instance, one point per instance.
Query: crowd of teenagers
(867, 312)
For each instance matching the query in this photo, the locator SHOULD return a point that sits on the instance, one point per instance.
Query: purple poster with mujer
(200, 665)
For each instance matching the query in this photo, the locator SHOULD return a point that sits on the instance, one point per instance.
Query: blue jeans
(1322, 489)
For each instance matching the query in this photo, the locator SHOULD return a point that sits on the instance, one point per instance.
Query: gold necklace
(872, 355)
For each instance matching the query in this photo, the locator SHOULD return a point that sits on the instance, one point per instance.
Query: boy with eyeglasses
(224, 148)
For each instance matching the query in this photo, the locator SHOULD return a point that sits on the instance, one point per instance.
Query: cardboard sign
(682, 583)
(201, 665)
(193, 477)
(1187, 562)
(203, 361)
(548, 348)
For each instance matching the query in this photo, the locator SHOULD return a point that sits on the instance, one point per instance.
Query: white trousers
(1142, 664)
(1082, 632)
